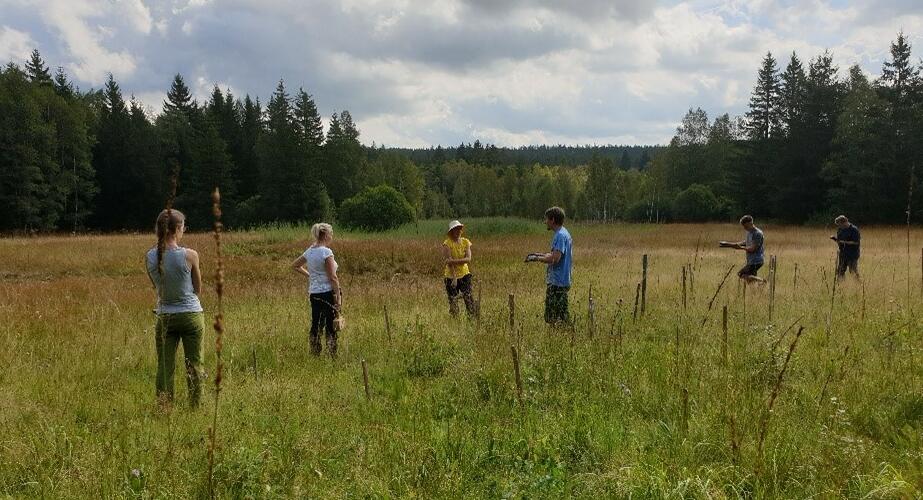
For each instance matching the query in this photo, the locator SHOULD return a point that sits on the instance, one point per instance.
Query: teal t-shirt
(559, 274)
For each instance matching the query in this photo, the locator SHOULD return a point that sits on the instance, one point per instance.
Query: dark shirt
(849, 233)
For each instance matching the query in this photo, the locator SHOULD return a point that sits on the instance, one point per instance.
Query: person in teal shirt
(558, 273)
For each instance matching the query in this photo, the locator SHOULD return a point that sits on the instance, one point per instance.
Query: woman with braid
(174, 271)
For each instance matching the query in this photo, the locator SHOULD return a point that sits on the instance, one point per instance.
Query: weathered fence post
(684, 288)
(643, 284)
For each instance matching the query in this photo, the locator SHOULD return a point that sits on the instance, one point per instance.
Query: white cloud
(136, 13)
(90, 59)
(15, 45)
(420, 72)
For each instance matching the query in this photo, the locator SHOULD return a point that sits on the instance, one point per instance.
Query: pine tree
(62, 85)
(899, 77)
(900, 84)
(811, 106)
(288, 191)
(36, 70)
(27, 195)
(764, 116)
(311, 127)
(343, 157)
(792, 95)
(115, 207)
(248, 166)
(179, 99)
(859, 171)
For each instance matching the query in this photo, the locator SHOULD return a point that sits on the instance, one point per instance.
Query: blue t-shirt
(755, 237)
(559, 274)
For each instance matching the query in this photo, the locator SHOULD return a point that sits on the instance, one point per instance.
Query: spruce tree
(248, 166)
(900, 84)
(288, 190)
(764, 116)
(62, 85)
(344, 157)
(111, 161)
(311, 127)
(793, 94)
(179, 98)
(899, 77)
(36, 70)
(25, 143)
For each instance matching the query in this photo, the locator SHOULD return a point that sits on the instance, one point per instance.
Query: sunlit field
(645, 400)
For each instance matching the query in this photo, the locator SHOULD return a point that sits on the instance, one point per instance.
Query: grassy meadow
(649, 407)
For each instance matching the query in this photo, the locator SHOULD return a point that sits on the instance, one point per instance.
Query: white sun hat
(453, 225)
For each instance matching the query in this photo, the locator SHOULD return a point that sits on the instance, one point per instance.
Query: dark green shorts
(556, 305)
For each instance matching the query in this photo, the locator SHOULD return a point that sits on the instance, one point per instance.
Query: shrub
(697, 203)
(376, 209)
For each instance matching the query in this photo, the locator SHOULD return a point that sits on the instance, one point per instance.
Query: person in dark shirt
(847, 237)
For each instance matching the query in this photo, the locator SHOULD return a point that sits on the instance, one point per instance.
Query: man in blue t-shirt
(753, 245)
(847, 237)
(558, 273)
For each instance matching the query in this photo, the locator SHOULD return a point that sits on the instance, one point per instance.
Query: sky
(421, 73)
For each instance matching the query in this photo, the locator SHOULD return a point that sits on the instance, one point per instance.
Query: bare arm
(551, 258)
(450, 261)
(148, 272)
(192, 258)
(330, 266)
(298, 266)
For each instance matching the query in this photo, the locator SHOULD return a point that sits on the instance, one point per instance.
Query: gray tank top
(174, 293)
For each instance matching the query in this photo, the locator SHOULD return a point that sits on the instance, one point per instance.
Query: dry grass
(605, 416)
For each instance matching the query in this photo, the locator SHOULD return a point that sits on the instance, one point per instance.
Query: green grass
(602, 414)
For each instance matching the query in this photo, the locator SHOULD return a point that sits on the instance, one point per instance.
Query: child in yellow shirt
(457, 254)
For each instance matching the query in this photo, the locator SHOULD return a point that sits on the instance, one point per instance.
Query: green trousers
(188, 328)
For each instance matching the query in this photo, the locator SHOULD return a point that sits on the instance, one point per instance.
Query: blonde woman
(174, 271)
(318, 265)
(456, 251)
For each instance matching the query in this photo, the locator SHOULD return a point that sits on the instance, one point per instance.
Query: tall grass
(600, 417)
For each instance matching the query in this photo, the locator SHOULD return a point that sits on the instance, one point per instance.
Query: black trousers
(322, 315)
(460, 287)
(844, 263)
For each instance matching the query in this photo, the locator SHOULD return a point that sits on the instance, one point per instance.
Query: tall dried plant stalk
(711, 302)
(164, 226)
(219, 333)
(764, 423)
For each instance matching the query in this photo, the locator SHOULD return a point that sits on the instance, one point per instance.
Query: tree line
(813, 143)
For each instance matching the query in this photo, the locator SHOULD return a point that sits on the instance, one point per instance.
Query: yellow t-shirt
(457, 251)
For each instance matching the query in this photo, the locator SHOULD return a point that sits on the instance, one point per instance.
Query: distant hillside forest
(815, 141)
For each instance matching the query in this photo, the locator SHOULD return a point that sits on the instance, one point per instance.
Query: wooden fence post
(643, 284)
